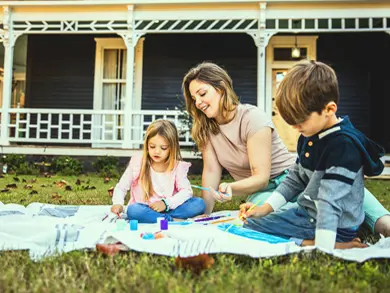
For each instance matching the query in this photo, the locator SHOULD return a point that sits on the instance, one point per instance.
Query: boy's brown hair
(307, 87)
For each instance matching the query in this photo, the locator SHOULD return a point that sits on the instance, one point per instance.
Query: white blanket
(46, 230)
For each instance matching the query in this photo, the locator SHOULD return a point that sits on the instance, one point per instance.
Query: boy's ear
(331, 108)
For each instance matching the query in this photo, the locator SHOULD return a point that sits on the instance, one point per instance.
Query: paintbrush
(241, 217)
(222, 220)
(208, 189)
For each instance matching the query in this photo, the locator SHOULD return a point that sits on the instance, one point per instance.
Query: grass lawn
(87, 271)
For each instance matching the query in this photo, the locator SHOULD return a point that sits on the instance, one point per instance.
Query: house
(87, 77)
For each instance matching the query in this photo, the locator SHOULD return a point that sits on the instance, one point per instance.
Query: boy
(328, 175)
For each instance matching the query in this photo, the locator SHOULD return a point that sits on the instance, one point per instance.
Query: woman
(243, 140)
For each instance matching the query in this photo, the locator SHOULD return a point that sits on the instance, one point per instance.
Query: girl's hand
(158, 206)
(117, 208)
(224, 192)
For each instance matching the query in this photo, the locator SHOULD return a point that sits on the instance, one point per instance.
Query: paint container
(163, 225)
(133, 225)
(120, 225)
(147, 236)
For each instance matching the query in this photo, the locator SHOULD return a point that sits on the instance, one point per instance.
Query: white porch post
(129, 100)
(9, 43)
(261, 38)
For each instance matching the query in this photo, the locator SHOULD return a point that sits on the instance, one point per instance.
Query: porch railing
(97, 127)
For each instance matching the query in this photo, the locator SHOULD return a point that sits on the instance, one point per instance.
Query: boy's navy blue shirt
(328, 175)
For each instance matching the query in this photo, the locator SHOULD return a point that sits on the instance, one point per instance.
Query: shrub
(65, 165)
(107, 166)
(19, 165)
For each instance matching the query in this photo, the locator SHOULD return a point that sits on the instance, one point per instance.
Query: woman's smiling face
(206, 98)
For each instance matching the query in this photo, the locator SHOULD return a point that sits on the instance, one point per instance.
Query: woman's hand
(117, 208)
(224, 192)
(158, 206)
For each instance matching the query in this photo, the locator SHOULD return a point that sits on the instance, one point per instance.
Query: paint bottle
(133, 225)
(163, 225)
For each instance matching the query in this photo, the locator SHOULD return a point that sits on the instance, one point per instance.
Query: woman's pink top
(173, 186)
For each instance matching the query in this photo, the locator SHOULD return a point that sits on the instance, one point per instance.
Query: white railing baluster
(59, 126)
(70, 126)
(28, 125)
(49, 126)
(17, 125)
(38, 132)
(114, 127)
(81, 126)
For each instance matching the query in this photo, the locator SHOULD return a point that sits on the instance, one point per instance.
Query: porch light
(296, 51)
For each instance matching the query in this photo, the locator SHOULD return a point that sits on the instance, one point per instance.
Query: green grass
(88, 271)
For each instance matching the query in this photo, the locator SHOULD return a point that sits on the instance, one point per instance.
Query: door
(288, 134)
(110, 90)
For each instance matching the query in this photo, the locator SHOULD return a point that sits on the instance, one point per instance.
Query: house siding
(167, 58)
(60, 71)
(361, 62)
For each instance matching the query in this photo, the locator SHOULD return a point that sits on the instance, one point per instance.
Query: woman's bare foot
(355, 243)
(382, 226)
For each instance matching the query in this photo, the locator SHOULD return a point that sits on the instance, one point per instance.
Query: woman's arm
(259, 153)
(211, 175)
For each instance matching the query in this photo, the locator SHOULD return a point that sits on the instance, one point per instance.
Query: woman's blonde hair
(167, 130)
(219, 79)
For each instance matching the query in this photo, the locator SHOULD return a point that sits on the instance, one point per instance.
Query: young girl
(157, 180)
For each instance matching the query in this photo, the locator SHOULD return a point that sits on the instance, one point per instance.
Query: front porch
(111, 99)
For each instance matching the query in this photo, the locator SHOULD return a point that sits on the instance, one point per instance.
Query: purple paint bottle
(163, 225)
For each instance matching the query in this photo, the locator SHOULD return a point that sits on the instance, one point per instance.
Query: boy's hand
(224, 192)
(117, 208)
(158, 206)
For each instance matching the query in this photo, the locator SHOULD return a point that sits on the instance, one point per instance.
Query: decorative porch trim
(236, 25)
(331, 24)
(70, 26)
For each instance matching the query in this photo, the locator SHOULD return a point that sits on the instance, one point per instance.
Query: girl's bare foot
(382, 226)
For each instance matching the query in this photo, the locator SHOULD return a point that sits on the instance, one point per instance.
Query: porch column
(9, 43)
(129, 101)
(261, 75)
(261, 38)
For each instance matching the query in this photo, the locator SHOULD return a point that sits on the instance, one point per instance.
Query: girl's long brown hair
(219, 79)
(167, 130)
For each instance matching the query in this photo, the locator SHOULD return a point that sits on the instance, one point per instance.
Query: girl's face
(206, 98)
(158, 149)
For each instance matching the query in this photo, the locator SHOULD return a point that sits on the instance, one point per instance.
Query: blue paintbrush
(208, 189)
